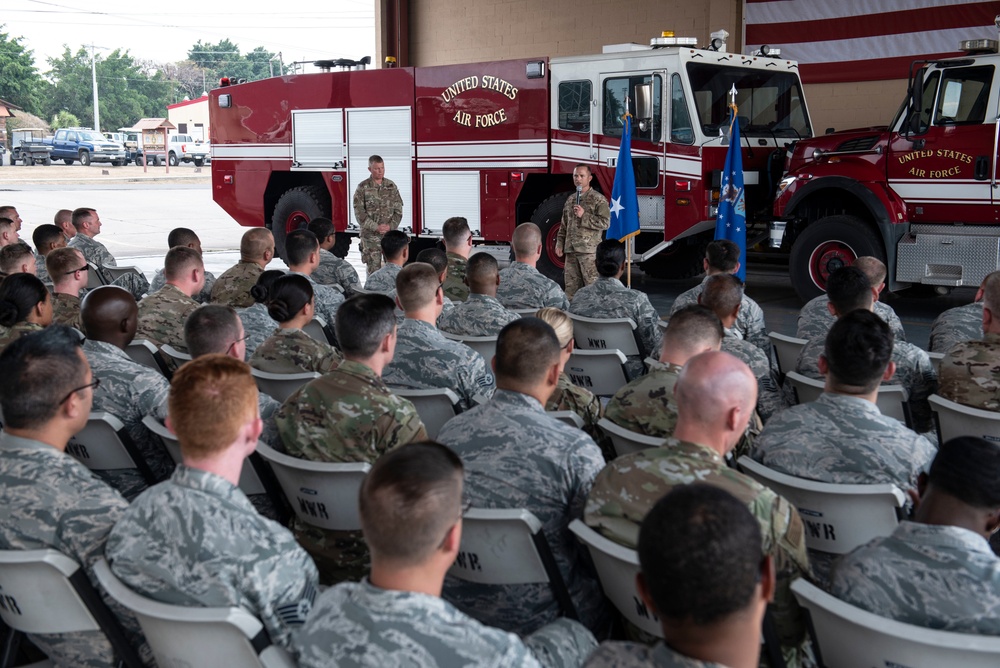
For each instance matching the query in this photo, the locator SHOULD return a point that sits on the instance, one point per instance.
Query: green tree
(64, 119)
(224, 59)
(20, 81)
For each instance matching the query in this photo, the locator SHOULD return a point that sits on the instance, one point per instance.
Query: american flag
(865, 40)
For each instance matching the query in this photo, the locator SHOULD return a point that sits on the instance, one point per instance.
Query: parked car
(86, 145)
(183, 148)
(31, 146)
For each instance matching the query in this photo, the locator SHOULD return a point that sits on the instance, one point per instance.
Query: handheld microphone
(579, 190)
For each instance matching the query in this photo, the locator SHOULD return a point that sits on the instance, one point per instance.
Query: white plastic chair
(787, 349)
(605, 334)
(197, 637)
(280, 386)
(484, 345)
(600, 371)
(955, 419)
(435, 406)
(104, 445)
(849, 637)
(93, 276)
(46, 592)
(569, 417)
(837, 518)
(322, 494)
(316, 328)
(172, 354)
(143, 352)
(625, 441)
(891, 399)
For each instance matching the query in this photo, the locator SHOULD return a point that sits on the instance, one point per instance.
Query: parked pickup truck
(87, 146)
(183, 148)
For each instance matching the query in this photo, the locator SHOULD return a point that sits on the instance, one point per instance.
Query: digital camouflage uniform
(970, 373)
(162, 316)
(586, 404)
(196, 540)
(376, 205)
(42, 272)
(333, 270)
(294, 351)
(203, 297)
(646, 405)
(425, 359)
(257, 326)
(637, 655)
(934, 576)
(358, 625)
(578, 238)
(328, 299)
(769, 399)
(454, 283)
(232, 287)
(479, 315)
(629, 486)
(97, 254)
(749, 320)
(17, 331)
(608, 298)
(523, 286)
(516, 456)
(957, 325)
(815, 319)
(384, 279)
(66, 310)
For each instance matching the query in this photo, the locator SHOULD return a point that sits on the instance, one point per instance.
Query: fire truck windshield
(770, 103)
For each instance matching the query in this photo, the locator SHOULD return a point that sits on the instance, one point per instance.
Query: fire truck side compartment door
(386, 132)
(447, 194)
(317, 138)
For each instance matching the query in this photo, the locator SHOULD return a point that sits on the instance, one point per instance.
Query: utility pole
(93, 75)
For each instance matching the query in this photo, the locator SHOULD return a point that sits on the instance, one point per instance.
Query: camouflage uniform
(363, 626)
(608, 298)
(333, 270)
(348, 415)
(257, 326)
(646, 405)
(294, 351)
(956, 325)
(577, 238)
(232, 288)
(384, 279)
(454, 284)
(376, 205)
(196, 540)
(523, 286)
(66, 310)
(630, 485)
(162, 316)
(130, 392)
(815, 319)
(586, 404)
(970, 373)
(637, 655)
(203, 297)
(479, 315)
(934, 576)
(749, 320)
(41, 271)
(97, 254)
(17, 331)
(425, 359)
(769, 399)
(516, 456)
(328, 299)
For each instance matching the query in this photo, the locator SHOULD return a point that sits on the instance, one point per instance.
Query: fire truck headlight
(783, 185)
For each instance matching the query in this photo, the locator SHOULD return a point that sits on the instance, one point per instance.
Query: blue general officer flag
(624, 201)
(731, 221)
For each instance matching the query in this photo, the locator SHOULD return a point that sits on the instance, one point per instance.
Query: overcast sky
(306, 30)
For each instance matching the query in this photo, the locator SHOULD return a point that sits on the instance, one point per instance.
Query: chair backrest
(837, 518)
(605, 334)
(626, 442)
(143, 352)
(600, 371)
(316, 328)
(191, 636)
(172, 353)
(616, 567)
(849, 637)
(280, 386)
(891, 399)
(435, 406)
(569, 417)
(936, 359)
(787, 349)
(103, 445)
(93, 276)
(506, 547)
(322, 494)
(112, 273)
(525, 312)
(46, 592)
(806, 389)
(955, 419)
(484, 345)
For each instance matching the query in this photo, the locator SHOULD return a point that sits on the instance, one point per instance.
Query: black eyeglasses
(85, 267)
(231, 345)
(95, 385)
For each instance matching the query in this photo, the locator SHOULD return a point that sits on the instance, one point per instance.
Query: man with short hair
(232, 287)
(71, 272)
(8, 234)
(302, 254)
(970, 372)
(438, 259)
(481, 314)
(182, 236)
(332, 270)
(584, 217)
(46, 239)
(410, 499)
(517, 456)
(196, 539)
(88, 225)
(162, 314)
(10, 212)
(396, 251)
(521, 284)
(64, 221)
(458, 244)
(424, 358)
(937, 571)
(378, 208)
(17, 259)
(703, 578)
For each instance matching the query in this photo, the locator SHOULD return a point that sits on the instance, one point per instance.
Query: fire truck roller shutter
(548, 217)
(826, 245)
(295, 208)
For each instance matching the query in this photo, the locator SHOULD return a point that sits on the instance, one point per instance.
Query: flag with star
(624, 201)
(731, 220)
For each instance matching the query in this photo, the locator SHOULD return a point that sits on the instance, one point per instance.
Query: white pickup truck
(183, 148)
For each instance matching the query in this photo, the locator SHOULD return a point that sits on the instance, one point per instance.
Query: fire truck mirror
(915, 103)
(644, 100)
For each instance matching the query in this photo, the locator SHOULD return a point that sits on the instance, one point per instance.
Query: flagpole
(628, 246)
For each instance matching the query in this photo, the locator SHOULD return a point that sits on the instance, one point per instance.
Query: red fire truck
(496, 142)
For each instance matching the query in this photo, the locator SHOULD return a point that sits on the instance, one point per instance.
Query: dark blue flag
(731, 221)
(624, 201)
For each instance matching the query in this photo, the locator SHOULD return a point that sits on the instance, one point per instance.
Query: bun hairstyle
(287, 296)
(262, 289)
(609, 257)
(19, 293)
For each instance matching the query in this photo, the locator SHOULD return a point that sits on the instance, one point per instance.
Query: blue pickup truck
(87, 146)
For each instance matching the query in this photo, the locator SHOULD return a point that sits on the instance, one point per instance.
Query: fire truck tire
(294, 210)
(826, 245)
(548, 217)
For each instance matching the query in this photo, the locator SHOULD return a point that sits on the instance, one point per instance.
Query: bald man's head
(110, 314)
(709, 387)
(527, 237)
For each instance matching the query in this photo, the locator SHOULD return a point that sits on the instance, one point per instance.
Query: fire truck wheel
(825, 246)
(294, 210)
(548, 217)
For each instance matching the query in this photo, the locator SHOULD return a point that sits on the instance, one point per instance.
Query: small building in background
(191, 118)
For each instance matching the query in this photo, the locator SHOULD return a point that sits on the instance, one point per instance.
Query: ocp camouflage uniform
(637, 655)
(257, 326)
(749, 320)
(516, 456)
(934, 576)
(41, 271)
(586, 404)
(333, 270)
(362, 626)
(479, 315)
(17, 331)
(203, 297)
(347, 415)
(815, 319)
(294, 351)
(98, 254)
(376, 205)
(578, 238)
(956, 325)
(629, 486)
(646, 405)
(970, 373)
(454, 283)
(425, 359)
(196, 540)
(162, 316)
(608, 298)
(66, 310)
(130, 392)
(384, 279)
(769, 401)
(232, 288)
(523, 286)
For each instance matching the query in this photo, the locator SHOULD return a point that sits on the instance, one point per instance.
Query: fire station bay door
(386, 132)
(944, 165)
